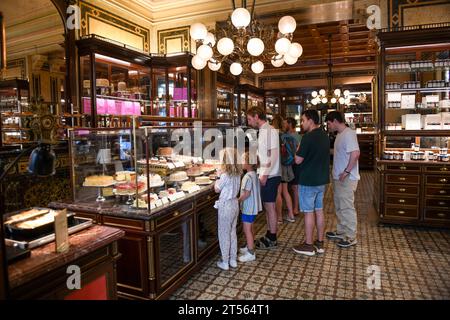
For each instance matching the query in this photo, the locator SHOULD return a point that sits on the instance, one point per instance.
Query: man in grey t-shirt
(345, 179)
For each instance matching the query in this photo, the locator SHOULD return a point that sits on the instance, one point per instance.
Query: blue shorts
(311, 198)
(270, 190)
(249, 218)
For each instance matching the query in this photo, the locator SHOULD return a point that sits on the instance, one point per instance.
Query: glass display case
(15, 115)
(138, 168)
(225, 102)
(359, 111)
(247, 97)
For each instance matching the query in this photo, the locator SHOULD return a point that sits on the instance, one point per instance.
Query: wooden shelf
(406, 133)
(426, 90)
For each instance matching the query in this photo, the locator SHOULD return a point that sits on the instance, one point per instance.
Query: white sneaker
(233, 263)
(222, 265)
(243, 250)
(246, 257)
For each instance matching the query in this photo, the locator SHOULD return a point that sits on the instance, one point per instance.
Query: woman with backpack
(287, 157)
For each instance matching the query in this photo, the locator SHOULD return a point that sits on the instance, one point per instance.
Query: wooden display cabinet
(413, 106)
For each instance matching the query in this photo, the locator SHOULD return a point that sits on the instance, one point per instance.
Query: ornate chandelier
(245, 43)
(330, 96)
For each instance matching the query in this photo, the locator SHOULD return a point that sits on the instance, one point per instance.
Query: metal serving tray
(77, 224)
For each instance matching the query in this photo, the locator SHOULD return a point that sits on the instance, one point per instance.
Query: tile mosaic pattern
(414, 263)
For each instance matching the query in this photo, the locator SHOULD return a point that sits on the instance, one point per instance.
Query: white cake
(178, 176)
(202, 180)
(155, 180)
(121, 86)
(188, 185)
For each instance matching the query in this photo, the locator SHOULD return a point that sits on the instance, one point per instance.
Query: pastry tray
(75, 225)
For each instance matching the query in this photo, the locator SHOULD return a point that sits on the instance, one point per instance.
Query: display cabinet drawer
(207, 198)
(123, 223)
(402, 189)
(401, 212)
(444, 169)
(399, 178)
(442, 180)
(439, 202)
(437, 214)
(438, 191)
(403, 201)
(174, 213)
(403, 167)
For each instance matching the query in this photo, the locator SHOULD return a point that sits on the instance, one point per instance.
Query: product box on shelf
(411, 121)
(445, 120)
(408, 101)
(432, 122)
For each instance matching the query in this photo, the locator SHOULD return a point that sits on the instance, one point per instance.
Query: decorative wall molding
(397, 8)
(174, 40)
(91, 14)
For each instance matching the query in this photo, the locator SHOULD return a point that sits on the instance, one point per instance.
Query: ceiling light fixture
(245, 43)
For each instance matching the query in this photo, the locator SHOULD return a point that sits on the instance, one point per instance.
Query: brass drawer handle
(208, 197)
(402, 189)
(444, 169)
(442, 215)
(401, 201)
(402, 178)
(402, 168)
(401, 212)
(442, 191)
(442, 203)
(176, 213)
(443, 180)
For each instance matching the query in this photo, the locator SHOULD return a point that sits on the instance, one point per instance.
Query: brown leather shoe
(305, 249)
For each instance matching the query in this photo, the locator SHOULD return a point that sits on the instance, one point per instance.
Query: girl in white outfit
(228, 185)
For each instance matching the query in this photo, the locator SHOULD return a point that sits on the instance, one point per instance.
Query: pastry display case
(412, 166)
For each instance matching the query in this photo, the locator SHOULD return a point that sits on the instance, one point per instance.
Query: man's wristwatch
(346, 171)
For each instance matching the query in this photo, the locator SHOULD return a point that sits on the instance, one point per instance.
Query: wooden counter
(413, 192)
(161, 248)
(44, 274)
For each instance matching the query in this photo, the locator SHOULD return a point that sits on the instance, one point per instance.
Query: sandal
(266, 243)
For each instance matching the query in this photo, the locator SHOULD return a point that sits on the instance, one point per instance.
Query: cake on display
(125, 175)
(165, 151)
(129, 188)
(202, 180)
(188, 185)
(121, 86)
(194, 171)
(178, 176)
(102, 82)
(155, 180)
(98, 181)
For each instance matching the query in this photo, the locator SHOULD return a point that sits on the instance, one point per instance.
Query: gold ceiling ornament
(245, 42)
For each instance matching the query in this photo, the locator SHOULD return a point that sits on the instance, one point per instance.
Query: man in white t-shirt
(345, 179)
(269, 172)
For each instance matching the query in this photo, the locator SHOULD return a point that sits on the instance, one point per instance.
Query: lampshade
(290, 60)
(198, 31)
(337, 92)
(257, 67)
(333, 100)
(225, 46)
(314, 94)
(240, 18)
(198, 63)
(324, 100)
(205, 52)
(42, 161)
(236, 68)
(277, 61)
(341, 100)
(287, 24)
(214, 65)
(210, 39)
(282, 45)
(346, 93)
(255, 46)
(295, 50)
(322, 92)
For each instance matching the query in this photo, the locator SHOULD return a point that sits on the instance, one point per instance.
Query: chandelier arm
(234, 5)
(253, 9)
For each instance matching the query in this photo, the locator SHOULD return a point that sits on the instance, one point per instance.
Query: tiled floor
(414, 263)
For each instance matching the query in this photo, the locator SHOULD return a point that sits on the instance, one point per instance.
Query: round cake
(202, 180)
(165, 151)
(178, 176)
(121, 86)
(129, 188)
(102, 82)
(125, 175)
(163, 193)
(171, 191)
(155, 180)
(194, 171)
(186, 186)
(206, 167)
(98, 181)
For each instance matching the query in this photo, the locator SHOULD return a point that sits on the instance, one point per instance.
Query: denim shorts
(249, 218)
(311, 198)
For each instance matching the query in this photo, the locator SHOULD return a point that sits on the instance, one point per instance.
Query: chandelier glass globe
(346, 93)
(198, 63)
(337, 92)
(198, 31)
(210, 39)
(314, 101)
(205, 52)
(314, 94)
(225, 46)
(214, 65)
(257, 67)
(236, 68)
(255, 46)
(295, 50)
(287, 24)
(290, 60)
(341, 100)
(277, 61)
(282, 45)
(324, 100)
(240, 18)
(322, 92)
(333, 100)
